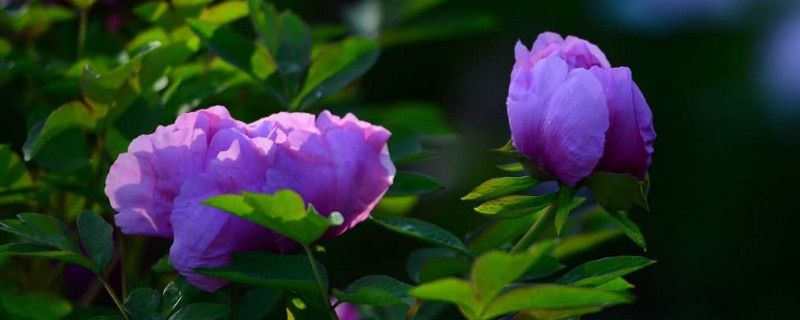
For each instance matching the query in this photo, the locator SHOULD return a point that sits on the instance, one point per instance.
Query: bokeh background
(722, 78)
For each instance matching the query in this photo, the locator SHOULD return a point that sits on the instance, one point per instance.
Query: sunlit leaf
(552, 297)
(618, 284)
(500, 187)
(494, 270)
(225, 12)
(73, 115)
(515, 206)
(452, 290)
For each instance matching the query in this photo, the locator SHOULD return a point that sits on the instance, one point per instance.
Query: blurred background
(722, 78)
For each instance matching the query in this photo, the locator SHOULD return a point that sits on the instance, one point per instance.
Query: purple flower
(571, 113)
(347, 311)
(157, 187)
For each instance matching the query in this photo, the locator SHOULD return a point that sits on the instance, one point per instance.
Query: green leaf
(565, 206)
(600, 271)
(284, 212)
(225, 12)
(258, 302)
(544, 267)
(629, 227)
(618, 191)
(511, 167)
(407, 184)
(156, 64)
(143, 304)
(15, 180)
(201, 311)
(163, 265)
(422, 230)
(37, 17)
(501, 231)
(190, 3)
(69, 116)
(290, 272)
(515, 206)
(556, 314)
(97, 238)
(43, 251)
(151, 11)
(335, 66)
(375, 290)
(618, 284)
(40, 306)
(83, 4)
(494, 270)
(500, 187)
(42, 229)
(552, 297)
(453, 290)
(234, 49)
(580, 243)
(419, 258)
(176, 294)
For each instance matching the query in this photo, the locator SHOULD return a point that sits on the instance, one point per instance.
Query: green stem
(325, 297)
(84, 20)
(537, 228)
(114, 297)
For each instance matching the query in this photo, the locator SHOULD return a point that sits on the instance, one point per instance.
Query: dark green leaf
(543, 267)
(552, 297)
(422, 230)
(556, 314)
(73, 115)
(629, 227)
(156, 64)
(176, 294)
(15, 180)
(151, 11)
(408, 183)
(163, 265)
(603, 270)
(201, 311)
(418, 258)
(439, 268)
(618, 191)
(42, 229)
(501, 231)
(97, 238)
(43, 251)
(258, 302)
(234, 49)
(565, 206)
(500, 187)
(143, 304)
(335, 66)
(39, 306)
(515, 206)
(375, 290)
(290, 272)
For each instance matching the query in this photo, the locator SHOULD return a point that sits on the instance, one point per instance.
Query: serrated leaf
(515, 206)
(408, 184)
(283, 212)
(552, 297)
(500, 187)
(629, 227)
(143, 304)
(73, 115)
(335, 66)
(375, 290)
(600, 271)
(97, 238)
(201, 311)
(290, 272)
(422, 230)
(618, 191)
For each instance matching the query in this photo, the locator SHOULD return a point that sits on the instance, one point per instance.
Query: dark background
(723, 214)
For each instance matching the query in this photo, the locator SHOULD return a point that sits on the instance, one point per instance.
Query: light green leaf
(500, 187)
(629, 227)
(408, 183)
(375, 290)
(335, 66)
(552, 297)
(453, 290)
(618, 191)
(225, 12)
(600, 271)
(73, 115)
(290, 272)
(580, 243)
(422, 230)
(43, 251)
(515, 206)
(556, 314)
(566, 204)
(618, 284)
(201, 311)
(283, 212)
(190, 3)
(151, 11)
(494, 270)
(143, 304)
(97, 238)
(511, 167)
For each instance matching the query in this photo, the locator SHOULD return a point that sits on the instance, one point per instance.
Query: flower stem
(84, 20)
(537, 228)
(114, 297)
(325, 297)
